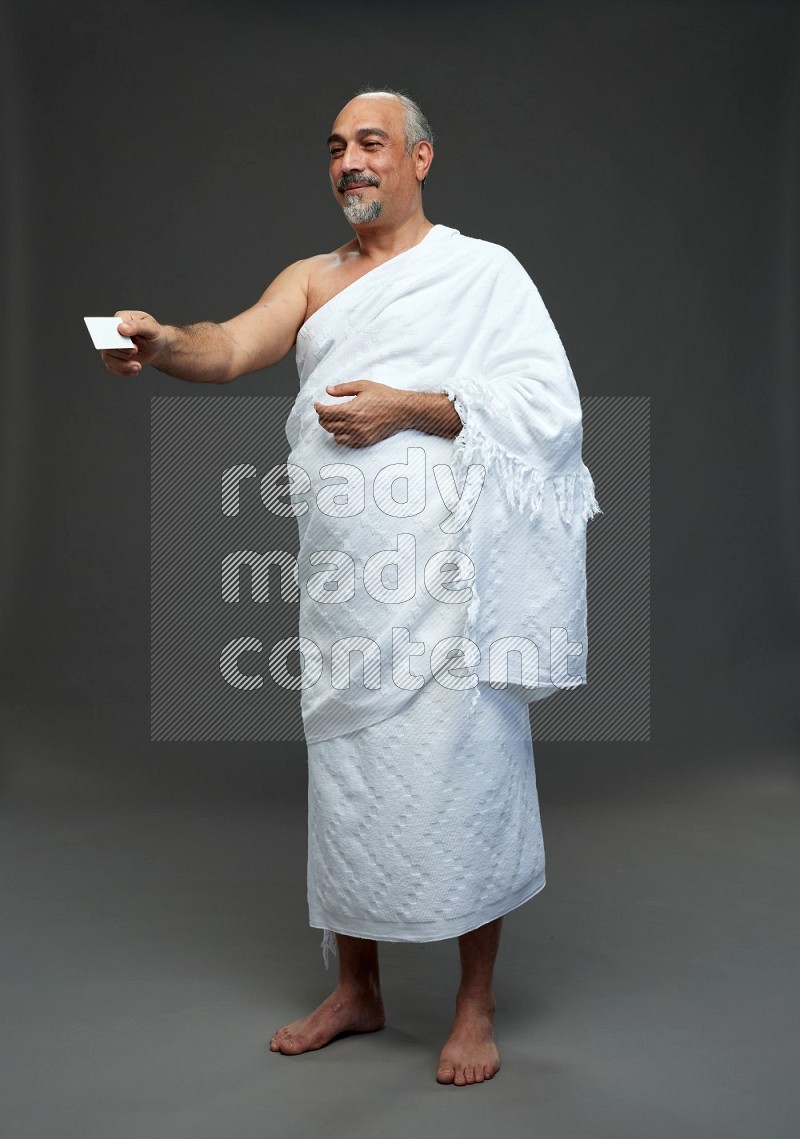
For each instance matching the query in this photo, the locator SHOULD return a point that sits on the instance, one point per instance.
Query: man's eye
(335, 153)
(372, 144)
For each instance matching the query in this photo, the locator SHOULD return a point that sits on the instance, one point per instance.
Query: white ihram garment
(425, 825)
(423, 813)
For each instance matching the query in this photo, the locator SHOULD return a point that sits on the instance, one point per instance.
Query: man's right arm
(217, 353)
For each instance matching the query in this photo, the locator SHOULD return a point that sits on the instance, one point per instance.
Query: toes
(453, 1072)
(281, 1041)
(472, 1074)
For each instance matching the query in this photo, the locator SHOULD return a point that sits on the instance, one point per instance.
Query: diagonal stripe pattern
(615, 702)
(224, 609)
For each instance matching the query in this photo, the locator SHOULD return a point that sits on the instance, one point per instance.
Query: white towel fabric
(425, 825)
(458, 315)
(423, 815)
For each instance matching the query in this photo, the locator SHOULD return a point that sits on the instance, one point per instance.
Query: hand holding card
(125, 335)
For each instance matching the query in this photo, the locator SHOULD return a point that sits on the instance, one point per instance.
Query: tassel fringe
(523, 485)
(329, 946)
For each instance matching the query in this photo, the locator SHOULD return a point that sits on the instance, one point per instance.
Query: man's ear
(424, 159)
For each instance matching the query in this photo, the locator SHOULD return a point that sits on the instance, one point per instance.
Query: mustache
(351, 179)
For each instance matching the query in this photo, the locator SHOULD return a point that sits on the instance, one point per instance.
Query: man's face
(371, 174)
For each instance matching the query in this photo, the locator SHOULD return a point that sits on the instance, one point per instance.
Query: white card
(103, 331)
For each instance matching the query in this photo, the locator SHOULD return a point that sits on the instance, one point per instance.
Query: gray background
(641, 160)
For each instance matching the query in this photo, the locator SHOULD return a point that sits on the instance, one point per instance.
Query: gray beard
(356, 212)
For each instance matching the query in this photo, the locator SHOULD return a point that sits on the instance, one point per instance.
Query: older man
(439, 357)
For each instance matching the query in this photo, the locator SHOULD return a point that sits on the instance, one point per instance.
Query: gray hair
(416, 127)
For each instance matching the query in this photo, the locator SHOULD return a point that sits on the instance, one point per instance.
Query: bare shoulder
(329, 273)
(324, 263)
(292, 278)
(301, 273)
(264, 333)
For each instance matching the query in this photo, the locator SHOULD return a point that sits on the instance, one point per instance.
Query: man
(423, 813)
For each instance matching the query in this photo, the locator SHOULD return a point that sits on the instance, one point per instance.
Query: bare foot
(345, 1010)
(470, 1055)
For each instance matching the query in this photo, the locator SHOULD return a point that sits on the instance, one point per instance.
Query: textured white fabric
(425, 825)
(423, 813)
(456, 315)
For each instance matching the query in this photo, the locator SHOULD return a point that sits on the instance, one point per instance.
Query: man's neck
(379, 243)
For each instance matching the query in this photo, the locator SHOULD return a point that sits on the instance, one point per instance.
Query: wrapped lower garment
(425, 825)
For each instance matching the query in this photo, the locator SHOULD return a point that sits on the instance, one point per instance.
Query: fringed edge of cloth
(523, 485)
(329, 945)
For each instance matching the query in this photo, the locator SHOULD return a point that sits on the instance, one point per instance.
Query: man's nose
(351, 159)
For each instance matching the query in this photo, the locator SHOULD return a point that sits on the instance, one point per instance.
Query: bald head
(378, 109)
(416, 127)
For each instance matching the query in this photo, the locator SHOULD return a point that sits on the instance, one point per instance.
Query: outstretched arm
(208, 352)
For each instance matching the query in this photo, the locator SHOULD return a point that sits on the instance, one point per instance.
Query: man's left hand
(376, 412)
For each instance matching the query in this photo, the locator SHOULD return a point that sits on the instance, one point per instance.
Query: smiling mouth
(358, 186)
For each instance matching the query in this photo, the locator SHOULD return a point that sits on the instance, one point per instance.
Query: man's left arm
(433, 413)
(379, 410)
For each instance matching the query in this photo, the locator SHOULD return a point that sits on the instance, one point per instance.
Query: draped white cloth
(504, 564)
(426, 825)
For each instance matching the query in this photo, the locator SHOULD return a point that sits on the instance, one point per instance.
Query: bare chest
(326, 283)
